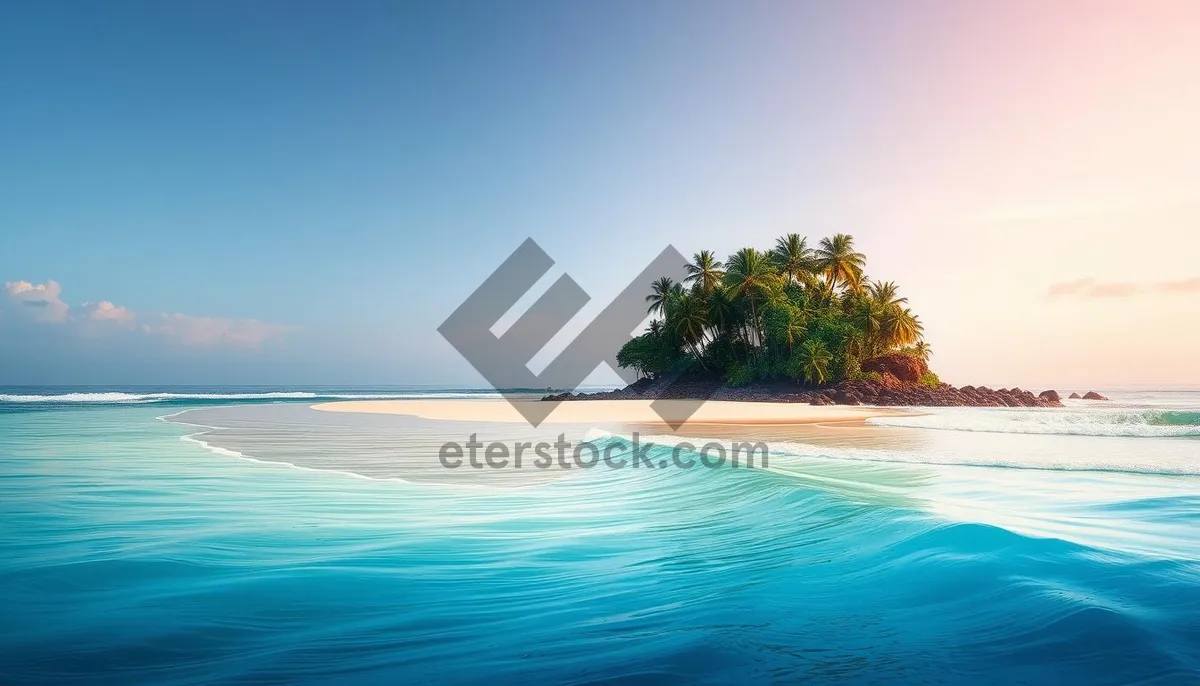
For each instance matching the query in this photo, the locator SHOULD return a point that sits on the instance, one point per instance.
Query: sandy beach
(614, 412)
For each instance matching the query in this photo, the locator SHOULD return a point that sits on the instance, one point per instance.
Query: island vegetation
(796, 312)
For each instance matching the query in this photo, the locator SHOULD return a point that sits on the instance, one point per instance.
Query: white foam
(1132, 423)
(75, 398)
(225, 452)
(117, 397)
(978, 453)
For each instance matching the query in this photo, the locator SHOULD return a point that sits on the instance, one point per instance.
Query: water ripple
(132, 557)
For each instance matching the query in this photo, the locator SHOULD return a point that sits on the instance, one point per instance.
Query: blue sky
(301, 192)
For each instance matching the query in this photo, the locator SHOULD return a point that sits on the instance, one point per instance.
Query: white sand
(611, 411)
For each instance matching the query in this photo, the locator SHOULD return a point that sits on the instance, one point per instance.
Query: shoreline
(616, 411)
(890, 392)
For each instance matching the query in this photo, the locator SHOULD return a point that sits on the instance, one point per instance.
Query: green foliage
(653, 353)
(738, 375)
(764, 368)
(814, 361)
(795, 368)
(930, 379)
(792, 311)
(920, 349)
(852, 369)
(783, 324)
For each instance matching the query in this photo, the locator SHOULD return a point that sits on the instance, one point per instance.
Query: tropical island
(790, 324)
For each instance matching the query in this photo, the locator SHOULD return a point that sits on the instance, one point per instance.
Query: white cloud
(46, 302)
(44, 297)
(106, 311)
(213, 331)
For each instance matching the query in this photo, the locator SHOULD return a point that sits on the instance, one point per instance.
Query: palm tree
(900, 327)
(814, 361)
(794, 258)
(749, 273)
(911, 324)
(837, 259)
(810, 314)
(661, 293)
(721, 310)
(689, 320)
(885, 293)
(794, 332)
(660, 290)
(922, 350)
(704, 272)
(868, 317)
(722, 314)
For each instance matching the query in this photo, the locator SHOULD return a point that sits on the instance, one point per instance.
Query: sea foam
(1127, 422)
(125, 398)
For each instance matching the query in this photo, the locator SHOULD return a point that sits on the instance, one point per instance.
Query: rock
(1092, 395)
(1051, 396)
(906, 368)
(889, 389)
(1075, 396)
(846, 396)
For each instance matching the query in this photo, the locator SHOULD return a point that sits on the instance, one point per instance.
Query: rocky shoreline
(896, 380)
(846, 393)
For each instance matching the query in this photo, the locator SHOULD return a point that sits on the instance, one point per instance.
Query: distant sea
(1040, 546)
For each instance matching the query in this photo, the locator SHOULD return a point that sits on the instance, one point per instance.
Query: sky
(300, 192)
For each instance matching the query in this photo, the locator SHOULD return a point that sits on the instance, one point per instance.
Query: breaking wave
(135, 398)
(156, 561)
(1128, 422)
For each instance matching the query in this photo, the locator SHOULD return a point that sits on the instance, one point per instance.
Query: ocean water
(200, 535)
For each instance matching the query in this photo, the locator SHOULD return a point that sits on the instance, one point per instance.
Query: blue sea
(201, 535)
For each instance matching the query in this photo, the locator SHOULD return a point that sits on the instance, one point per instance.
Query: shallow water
(960, 545)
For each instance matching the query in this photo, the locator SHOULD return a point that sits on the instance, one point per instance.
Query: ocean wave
(812, 570)
(1128, 464)
(1132, 423)
(839, 591)
(134, 398)
(226, 452)
(1089, 500)
(975, 454)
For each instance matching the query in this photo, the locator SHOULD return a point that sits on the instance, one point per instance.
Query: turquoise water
(996, 546)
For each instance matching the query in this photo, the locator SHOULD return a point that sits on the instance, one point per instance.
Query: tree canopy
(796, 312)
